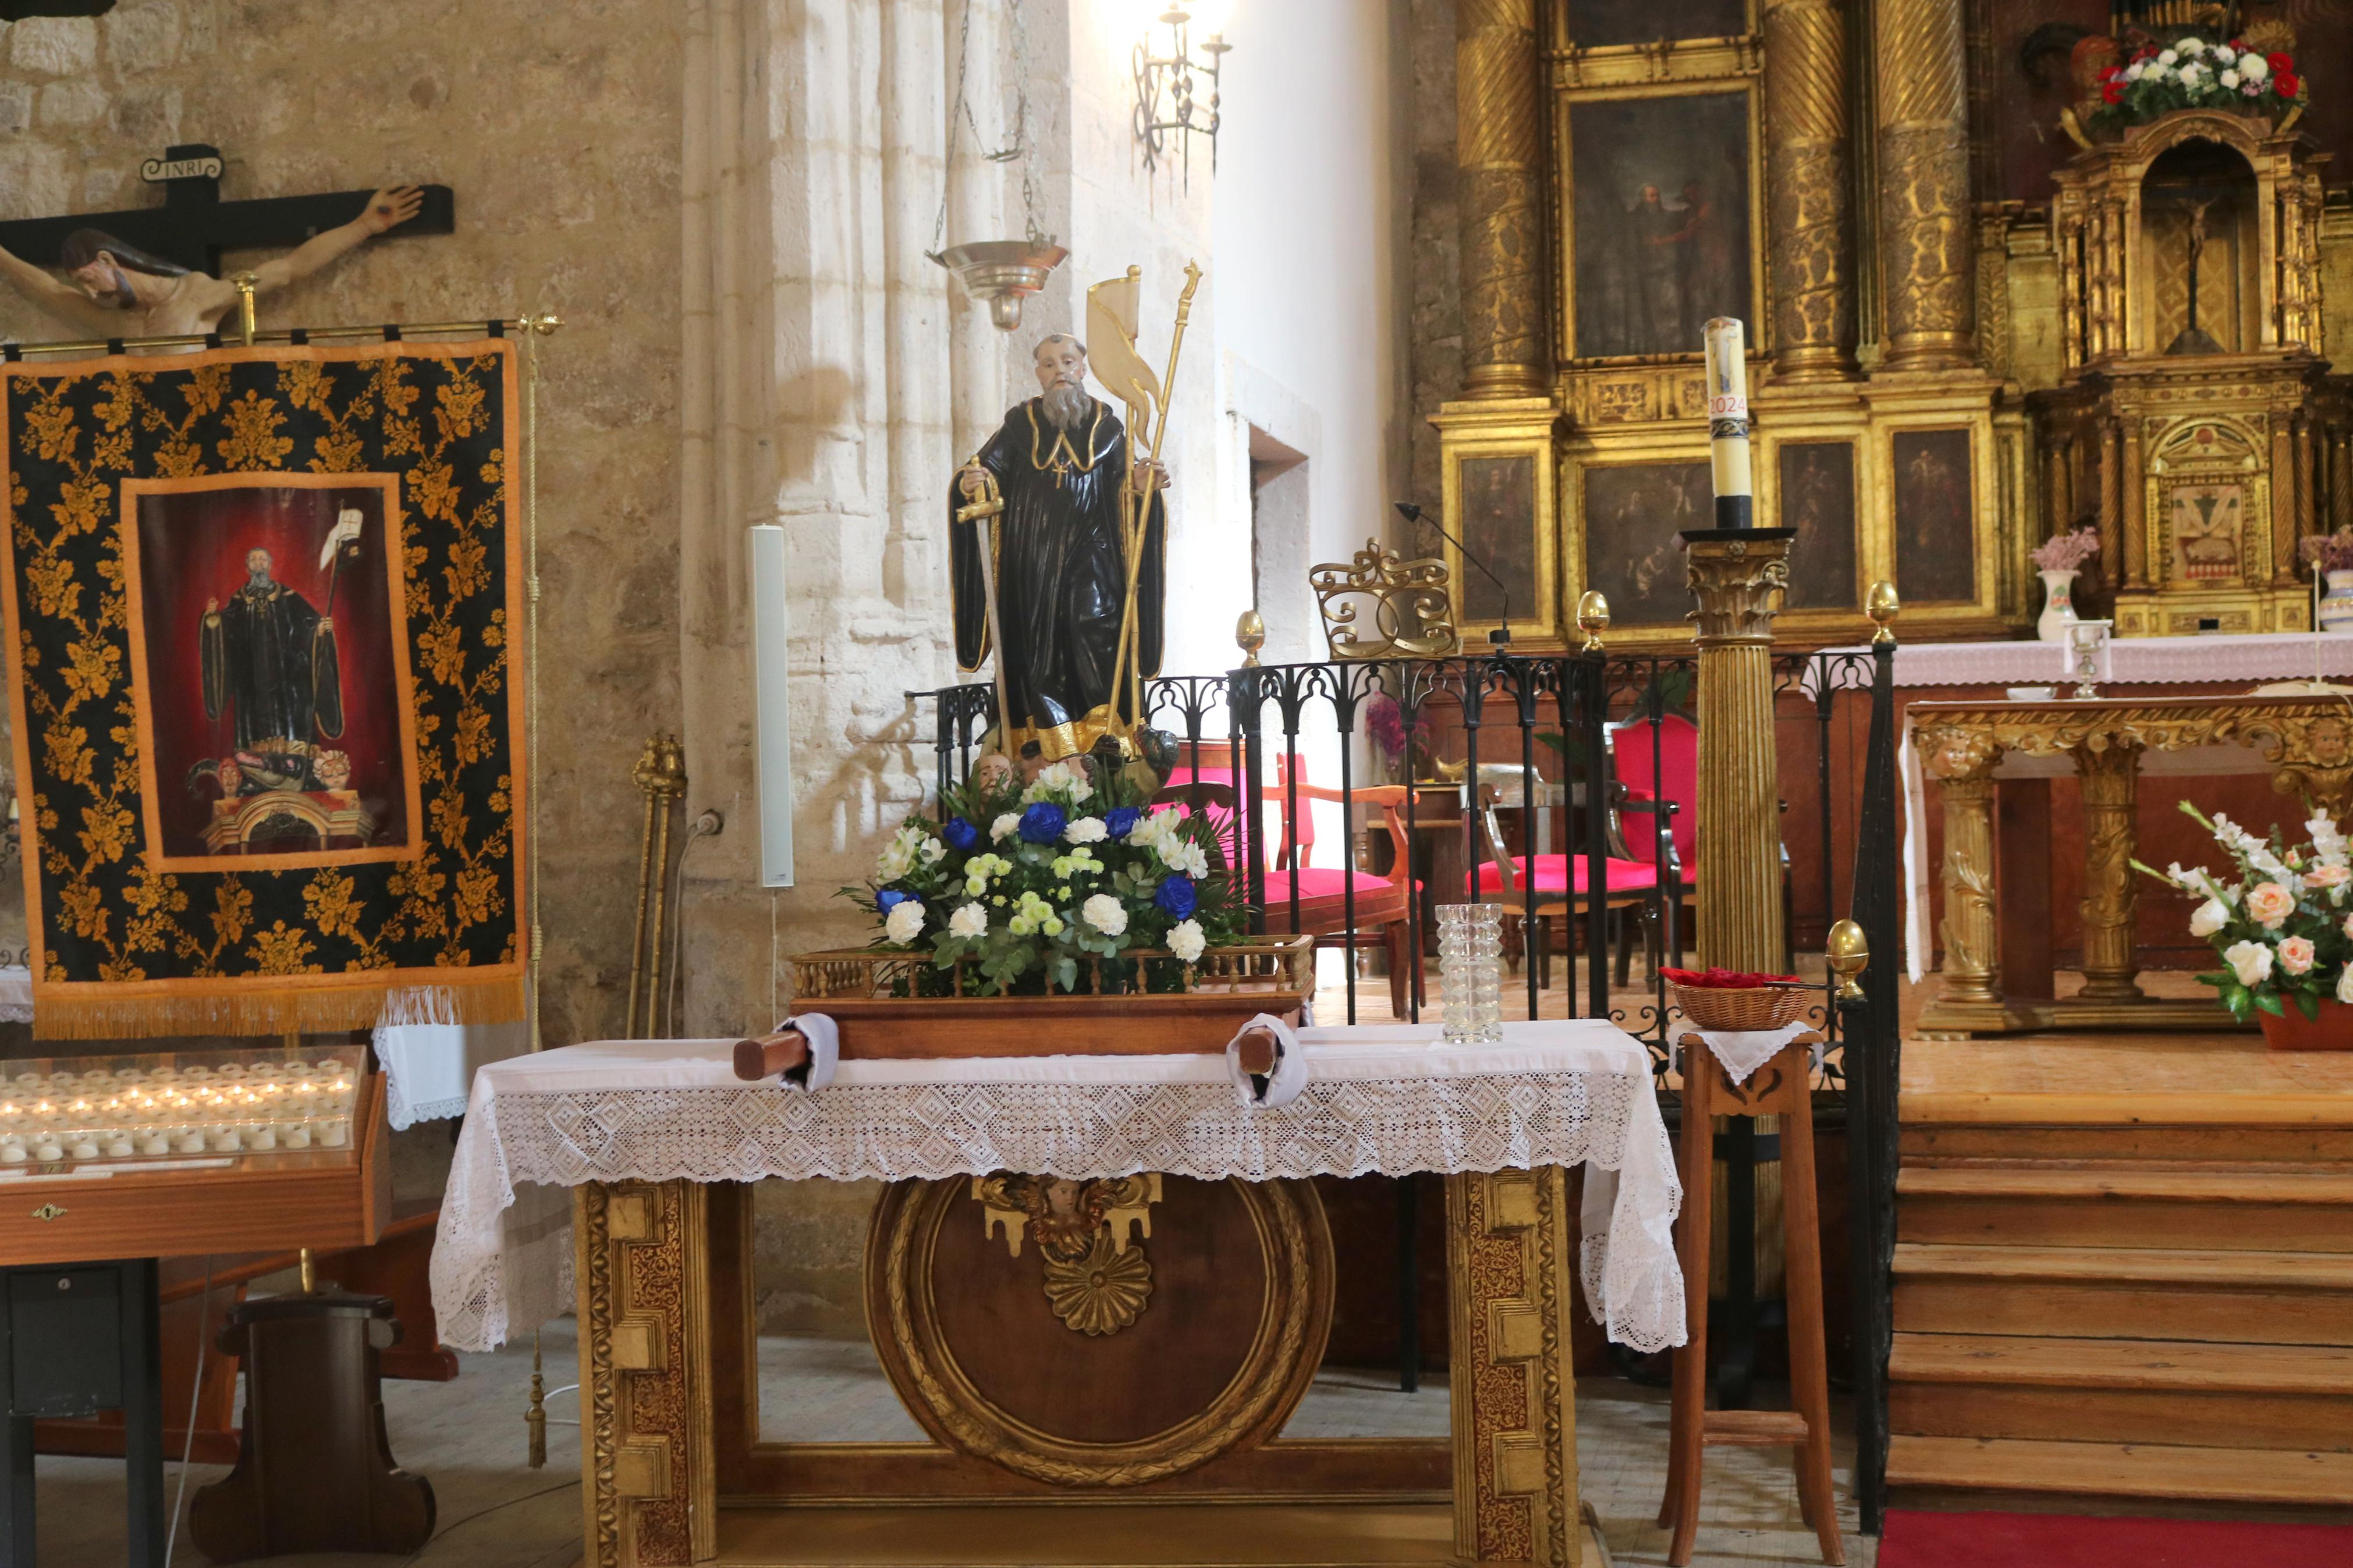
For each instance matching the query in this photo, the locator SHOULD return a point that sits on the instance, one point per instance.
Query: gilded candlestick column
(1499, 146)
(1811, 223)
(1926, 221)
(1739, 576)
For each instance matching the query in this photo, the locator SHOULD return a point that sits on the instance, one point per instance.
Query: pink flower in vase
(2296, 954)
(2269, 904)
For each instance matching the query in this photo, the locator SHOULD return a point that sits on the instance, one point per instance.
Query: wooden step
(2130, 1392)
(2317, 1146)
(2131, 1293)
(2121, 1469)
(2126, 1206)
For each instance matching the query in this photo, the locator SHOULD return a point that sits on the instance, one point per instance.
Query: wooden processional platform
(2124, 1273)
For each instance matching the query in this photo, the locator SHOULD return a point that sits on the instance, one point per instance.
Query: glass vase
(1471, 959)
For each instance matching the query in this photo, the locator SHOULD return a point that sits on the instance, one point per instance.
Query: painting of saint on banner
(271, 657)
(265, 610)
(1662, 221)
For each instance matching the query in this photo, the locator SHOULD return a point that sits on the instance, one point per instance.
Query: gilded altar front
(2304, 742)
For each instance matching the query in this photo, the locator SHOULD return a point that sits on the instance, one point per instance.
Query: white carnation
(1004, 827)
(2192, 47)
(2167, 57)
(2250, 961)
(2253, 67)
(1106, 913)
(905, 921)
(2136, 70)
(969, 921)
(2229, 79)
(2225, 54)
(1085, 830)
(2208, 918)
(1186, 941)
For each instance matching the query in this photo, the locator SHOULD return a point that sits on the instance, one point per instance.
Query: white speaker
(772, 704)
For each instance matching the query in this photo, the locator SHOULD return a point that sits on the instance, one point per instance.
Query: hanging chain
(1021, 149)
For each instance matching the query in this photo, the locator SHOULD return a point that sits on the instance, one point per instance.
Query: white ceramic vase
(2336, 605)
(2058, 605)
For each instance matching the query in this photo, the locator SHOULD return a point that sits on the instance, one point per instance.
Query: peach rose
(2268, 904)
(2296, 954)
(2327, 876)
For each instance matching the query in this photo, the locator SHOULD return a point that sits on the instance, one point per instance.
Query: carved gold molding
(1514, 1407)
(1805, 168)
(641, 1256)
(1499, 147)
(1926, 222)
(1666, 60)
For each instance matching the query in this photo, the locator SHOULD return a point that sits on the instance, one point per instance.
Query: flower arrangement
(1717, 979)
(2067, 551)
(2329, 551)
(2190, 73)
(2281, 925)
(1384, 724)
(1024, 881)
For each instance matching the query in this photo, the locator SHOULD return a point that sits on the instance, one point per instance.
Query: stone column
(1738, 574)
(1499, 146)
(1811, 252)
(2111, 782)
(1926, 224)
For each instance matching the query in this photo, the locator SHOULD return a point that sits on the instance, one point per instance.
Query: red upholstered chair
(1657, 760)
(1324, 894)
(1560, 881)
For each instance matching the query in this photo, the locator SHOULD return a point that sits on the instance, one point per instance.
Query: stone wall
(559, 132)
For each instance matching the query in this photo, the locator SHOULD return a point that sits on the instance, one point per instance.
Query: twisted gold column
(2110, 778)
(1810, 223)
(1739, 576)
(1926, 222)
(1499, 146)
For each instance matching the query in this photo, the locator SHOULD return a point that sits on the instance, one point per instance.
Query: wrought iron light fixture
(1169, 92)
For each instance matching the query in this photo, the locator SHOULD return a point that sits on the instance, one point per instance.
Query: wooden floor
(1204, 1536)
(2124, 1272)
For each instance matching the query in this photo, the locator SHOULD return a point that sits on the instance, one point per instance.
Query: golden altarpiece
(2197, 425)
(1939, 377)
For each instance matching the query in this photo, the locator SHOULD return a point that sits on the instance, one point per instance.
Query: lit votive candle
(118, 1144)
(48, 1148)
(298, 1136)
(190, 1139)
(83, 1148)
(153, 1142)
(262, 1137)
(11, 1151)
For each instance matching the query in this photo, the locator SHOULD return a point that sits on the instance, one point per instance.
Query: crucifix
(158, 267)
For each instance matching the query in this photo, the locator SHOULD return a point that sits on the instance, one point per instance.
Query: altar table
(635, 1125)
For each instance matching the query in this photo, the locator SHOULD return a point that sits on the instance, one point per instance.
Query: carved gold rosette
(1039, 1382)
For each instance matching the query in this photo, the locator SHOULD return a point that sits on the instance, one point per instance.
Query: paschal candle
(1727, 423)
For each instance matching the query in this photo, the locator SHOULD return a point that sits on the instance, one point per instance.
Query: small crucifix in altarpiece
(155, 272)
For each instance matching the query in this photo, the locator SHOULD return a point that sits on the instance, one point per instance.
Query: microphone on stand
(1502, 635)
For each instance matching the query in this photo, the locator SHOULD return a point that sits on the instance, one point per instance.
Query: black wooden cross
(194, 226)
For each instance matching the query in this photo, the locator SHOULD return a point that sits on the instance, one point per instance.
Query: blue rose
(1177, 898)
(1043, 823)
(889, 899)
(962, 835)
(1121, 820)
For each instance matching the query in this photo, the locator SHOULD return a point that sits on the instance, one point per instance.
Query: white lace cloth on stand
(1742, 1051)
(1386, 1098)
(2127, 661)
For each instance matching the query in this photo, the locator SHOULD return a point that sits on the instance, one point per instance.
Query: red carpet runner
(1919, 1539)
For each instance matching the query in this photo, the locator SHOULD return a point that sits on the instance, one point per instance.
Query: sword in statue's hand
(989, 505)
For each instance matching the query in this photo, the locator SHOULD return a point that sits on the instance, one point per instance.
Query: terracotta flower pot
(2332, 1031)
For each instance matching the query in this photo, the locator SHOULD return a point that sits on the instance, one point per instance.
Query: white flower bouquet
(2192, 73)
(1024, 883)
(2281, 923)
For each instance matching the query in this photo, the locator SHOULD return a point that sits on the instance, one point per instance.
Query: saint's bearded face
(1062, 366)
(256, 567)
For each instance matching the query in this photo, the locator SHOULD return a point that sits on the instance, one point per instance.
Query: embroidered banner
(265, 689)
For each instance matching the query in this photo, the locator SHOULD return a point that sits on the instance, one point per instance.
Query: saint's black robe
(1062, 573)
(271, 657)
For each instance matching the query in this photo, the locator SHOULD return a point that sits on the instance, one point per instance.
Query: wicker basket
(1729, 1008)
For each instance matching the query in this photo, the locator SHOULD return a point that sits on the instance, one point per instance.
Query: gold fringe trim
(101, 1011)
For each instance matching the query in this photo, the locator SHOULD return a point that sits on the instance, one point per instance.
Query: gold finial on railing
(1849, 953)
(245, 283)
(542, 324)
(1592, 618)
(1249, 636)
(1883, 606)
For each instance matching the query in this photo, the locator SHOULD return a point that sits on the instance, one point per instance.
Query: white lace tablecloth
(1386, 1098)
(2153, 661)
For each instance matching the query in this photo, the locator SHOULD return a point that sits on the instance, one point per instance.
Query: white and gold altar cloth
(1389, 1099)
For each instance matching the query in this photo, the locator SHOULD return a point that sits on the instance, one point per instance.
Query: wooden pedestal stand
(1779, 1087)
